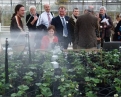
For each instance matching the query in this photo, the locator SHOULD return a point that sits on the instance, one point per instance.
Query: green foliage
(21, 92)
(117, 84)
(90, 94)
(68, 87)
(44, 88)
(88, 70)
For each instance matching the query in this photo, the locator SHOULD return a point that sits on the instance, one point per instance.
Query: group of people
(87, 31)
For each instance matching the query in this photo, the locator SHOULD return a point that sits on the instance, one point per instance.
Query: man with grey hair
(85, 37)
(31, 18)
(105, 26)
(90, 7)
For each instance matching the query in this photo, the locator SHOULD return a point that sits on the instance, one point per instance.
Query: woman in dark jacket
(115, 36)
(118, 30)
(16, 27)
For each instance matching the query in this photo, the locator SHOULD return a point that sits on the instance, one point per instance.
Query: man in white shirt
(43, 23)
(46, 17)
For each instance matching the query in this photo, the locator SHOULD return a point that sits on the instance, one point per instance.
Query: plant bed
(79, 74)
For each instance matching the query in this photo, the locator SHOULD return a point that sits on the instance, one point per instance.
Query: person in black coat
(16, 26)
(118, 31)
(62, 30)
(31, 19)
(72, 22)
(106, 28)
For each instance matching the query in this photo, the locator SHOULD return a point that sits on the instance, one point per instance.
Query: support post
(6, 66)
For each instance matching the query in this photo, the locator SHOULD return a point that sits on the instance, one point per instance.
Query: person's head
(76, 12)
(90, 10)
(118, 17)
(102, 10)
(97, 14)
(51, 30)
(19, 10)
(62, 11)
(47, 7)
(85, 11)
(91, 7)
(32, 10)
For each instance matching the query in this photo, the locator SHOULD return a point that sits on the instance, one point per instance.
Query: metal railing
(4, 28)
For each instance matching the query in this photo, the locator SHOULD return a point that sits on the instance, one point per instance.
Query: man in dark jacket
(31, 21)
(62, 28)
(72, 22)
(85, 37)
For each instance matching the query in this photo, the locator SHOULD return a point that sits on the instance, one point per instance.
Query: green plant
(21, 92)
(68, 88)
(91, 86)
(44, 89)
(117, 85)
(79, 73)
